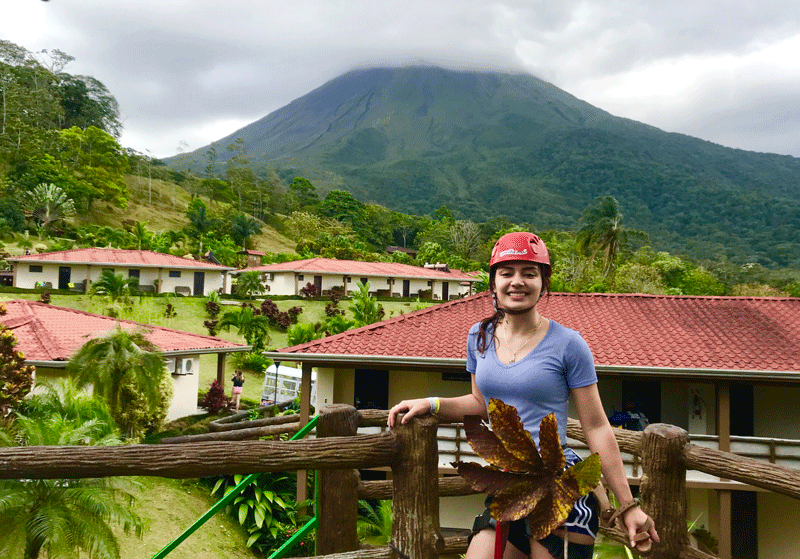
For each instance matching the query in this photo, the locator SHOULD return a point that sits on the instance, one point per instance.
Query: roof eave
(452, 363)
(337, 273)
(135, 265)
(174, 353)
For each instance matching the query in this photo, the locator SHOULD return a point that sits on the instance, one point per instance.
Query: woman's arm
(451, 409)
(601, 439)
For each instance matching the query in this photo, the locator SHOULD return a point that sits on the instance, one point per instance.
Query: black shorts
(519, 533)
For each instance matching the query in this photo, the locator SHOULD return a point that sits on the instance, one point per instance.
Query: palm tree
(46, 204)
(254, 328)
(141, 235)
(65, 400)
(113, 364)
(602, 231)
(365, 308)
(242, 227)
(249, 284)
(116, 287)
(62, 517)
(374, 525)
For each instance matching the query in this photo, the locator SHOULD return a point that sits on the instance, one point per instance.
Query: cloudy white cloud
(194, 71)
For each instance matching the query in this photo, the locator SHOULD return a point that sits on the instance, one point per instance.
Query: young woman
(535, 364)
(238, 382)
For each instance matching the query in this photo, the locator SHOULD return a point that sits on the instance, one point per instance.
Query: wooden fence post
(338, 489)
(663, 487)
(415, 492)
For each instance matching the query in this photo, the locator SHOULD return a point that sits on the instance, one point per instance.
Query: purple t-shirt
(539, 383)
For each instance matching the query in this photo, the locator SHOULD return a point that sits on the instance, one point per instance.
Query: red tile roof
(356, 268)
(622, 330)
(50, 333)
(117, 257)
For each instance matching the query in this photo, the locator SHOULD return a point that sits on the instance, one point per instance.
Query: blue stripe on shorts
(583, 518)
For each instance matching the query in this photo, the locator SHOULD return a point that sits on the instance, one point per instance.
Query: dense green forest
(60, 159)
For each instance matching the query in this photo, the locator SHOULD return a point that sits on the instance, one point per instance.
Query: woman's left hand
(638, 522)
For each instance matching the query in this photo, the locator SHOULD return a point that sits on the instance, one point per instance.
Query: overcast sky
(727, 71)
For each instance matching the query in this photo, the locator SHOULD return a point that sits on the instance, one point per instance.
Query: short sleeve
(580, 363)
(472, 349)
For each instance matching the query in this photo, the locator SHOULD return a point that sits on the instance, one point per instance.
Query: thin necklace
(514, 355)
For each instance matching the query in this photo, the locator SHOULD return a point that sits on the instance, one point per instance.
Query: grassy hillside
(170, 506)
(162, 205)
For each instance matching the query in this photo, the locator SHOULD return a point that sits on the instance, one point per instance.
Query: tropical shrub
(252, 361)
(16, 378)
(310, 290)
(215, 398)
(61, 518)
(212, 308)
(212, 326)
(266, 508)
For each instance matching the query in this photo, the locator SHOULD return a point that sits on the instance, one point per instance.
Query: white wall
(185, 372)
(147, 276)
(284, 283)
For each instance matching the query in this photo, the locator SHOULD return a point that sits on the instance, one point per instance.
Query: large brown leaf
(538, 486)
(490, 447)
(487, 479)
(519, 500)
(550, 444)
(515, 438)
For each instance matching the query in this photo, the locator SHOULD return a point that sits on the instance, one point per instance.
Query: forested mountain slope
(490, 144)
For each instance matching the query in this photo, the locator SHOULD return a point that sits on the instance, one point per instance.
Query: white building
(386, 279)
(49, 335)
(156, 272)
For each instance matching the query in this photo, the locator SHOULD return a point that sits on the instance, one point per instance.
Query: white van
(282, 383)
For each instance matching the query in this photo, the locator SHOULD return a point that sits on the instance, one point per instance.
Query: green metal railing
(310, 525)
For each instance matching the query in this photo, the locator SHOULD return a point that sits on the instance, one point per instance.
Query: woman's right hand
(411, 408)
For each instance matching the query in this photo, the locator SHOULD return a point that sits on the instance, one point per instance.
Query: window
(364, 280)
(174, 273)
(35, 269)
(300, 277)
(348, 279)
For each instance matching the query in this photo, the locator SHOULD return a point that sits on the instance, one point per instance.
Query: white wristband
(434, 402)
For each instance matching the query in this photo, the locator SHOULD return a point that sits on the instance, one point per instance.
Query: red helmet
(519, 246)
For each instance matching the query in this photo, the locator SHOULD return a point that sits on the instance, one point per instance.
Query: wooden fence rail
(197, 459)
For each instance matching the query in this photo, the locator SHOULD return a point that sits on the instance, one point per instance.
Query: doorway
(64, 276)
(199, 283)
(371, 390)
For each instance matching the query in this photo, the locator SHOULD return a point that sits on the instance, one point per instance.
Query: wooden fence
(411, 452)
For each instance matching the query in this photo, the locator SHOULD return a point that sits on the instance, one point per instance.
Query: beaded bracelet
(434, 402)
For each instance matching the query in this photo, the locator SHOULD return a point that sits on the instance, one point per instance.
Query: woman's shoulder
(564, 332)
